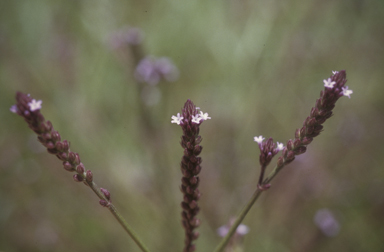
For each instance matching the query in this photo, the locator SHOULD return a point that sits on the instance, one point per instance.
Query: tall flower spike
(312, 126)
(29, 109)
(190, 168)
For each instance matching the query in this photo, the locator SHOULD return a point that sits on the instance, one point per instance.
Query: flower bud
(71, 157)
(59, 146)
(68, 166)
(197, 150)
(50, 145)
(300, 150)
(55, 136)
(77, 178)
(62, 156)
(52, 151)
(106, 193)
(77, 159)
(296, 143)
(48, 125)
(195, 222)
(103, 203)
(307, 140)
(65, 146)
(194, 180)
(290, 145)
(80, 168)
(297, 134)
(89, 176)
(189, 190)
(193, 204)
(280, 162)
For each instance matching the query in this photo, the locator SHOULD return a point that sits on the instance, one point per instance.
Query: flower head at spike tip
(280, 146)
(177, 119)
(204, 116)
(259, 139)
(35, 105)
(329, 83)
(347, 92)
(196, 119)
(335, 72)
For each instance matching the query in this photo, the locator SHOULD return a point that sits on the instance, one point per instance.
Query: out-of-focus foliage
(255, 66)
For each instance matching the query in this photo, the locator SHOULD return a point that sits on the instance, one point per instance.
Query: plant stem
(118, 216)
(245, 211)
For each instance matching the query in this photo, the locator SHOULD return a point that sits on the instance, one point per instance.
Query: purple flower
(326, 222)
(125, 37)
(152, 70)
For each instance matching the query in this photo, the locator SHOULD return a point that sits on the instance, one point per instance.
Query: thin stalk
(245, 211)
(118, 216)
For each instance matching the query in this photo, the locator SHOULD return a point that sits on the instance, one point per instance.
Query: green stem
(245, 210)
(118, 216)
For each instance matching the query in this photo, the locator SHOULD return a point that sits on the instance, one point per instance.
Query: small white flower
(204, 116)
(335, 72)
(177, 119)
(35, 105)
(259, 139)
(196, 119)
(347, 92)
(280, 146)
(328, 83)
(13, 109)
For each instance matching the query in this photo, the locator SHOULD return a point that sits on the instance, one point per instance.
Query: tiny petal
(329, 83)
(35, 105)
(196, 119)
(13, 109)
(259, 139)
(204, 116)
(280, 146)
(335, 72)
(347, 92)
(177, 119)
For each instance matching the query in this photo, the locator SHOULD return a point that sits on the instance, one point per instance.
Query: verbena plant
(190, 119)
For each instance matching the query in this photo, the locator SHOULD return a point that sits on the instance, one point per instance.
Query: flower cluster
(334, 89)
(268, 149)
(312, 126)
(29, 109)
(152, 70)
(190, 121)
(198, 118)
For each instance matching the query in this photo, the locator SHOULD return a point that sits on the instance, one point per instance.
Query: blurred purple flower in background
(326, 222)
(125, 37)
(152, 70)
(240, 231)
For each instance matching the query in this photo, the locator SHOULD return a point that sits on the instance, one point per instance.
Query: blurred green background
(255, 66)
